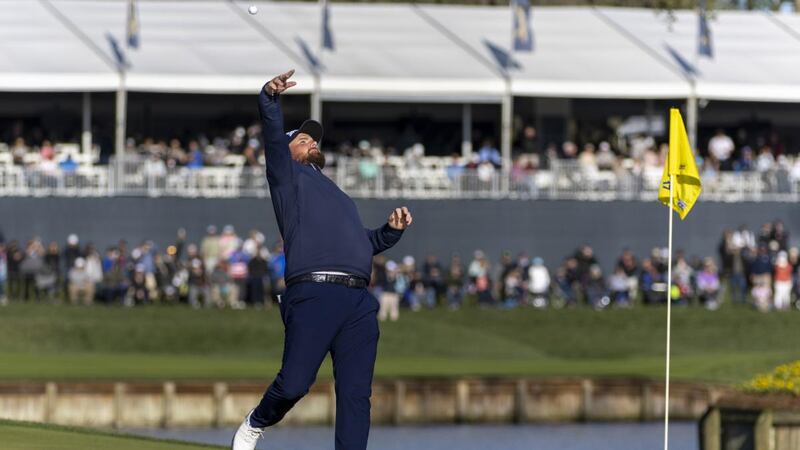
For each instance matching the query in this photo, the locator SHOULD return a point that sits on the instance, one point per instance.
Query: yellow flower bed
(785, 379)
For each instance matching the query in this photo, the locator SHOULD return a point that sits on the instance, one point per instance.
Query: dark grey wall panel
(550, 229)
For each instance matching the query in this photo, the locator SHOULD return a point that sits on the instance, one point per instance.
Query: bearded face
(304, 150)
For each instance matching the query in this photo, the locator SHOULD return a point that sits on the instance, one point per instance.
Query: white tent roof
(397, 52)
(754, 57)
(576, 54)
(39, 53)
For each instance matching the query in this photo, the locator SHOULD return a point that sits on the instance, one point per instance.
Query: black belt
(350, 281)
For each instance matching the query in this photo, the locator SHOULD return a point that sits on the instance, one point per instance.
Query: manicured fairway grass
(27, 436)
(729, 345)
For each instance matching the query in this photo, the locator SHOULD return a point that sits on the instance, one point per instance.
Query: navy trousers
(321, 318)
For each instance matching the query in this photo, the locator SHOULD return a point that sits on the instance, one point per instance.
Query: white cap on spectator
(391, 265)
(72, 239)
(80, 263)
(227, 229)
(408, 260)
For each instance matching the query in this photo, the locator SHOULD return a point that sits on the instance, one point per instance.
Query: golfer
(326, 307)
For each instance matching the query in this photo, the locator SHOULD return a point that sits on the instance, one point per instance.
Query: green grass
(28, 436)
(40, 342)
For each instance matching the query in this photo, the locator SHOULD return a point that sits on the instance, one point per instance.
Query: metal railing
(365, 178)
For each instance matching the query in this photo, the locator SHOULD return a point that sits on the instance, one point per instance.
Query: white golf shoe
(246, 436)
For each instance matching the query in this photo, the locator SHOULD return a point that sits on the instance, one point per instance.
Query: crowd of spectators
(635, 154)
(226, 270)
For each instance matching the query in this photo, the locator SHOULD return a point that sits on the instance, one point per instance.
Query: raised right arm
(276, 143)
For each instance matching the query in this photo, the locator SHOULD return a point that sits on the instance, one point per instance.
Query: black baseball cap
(309, 127)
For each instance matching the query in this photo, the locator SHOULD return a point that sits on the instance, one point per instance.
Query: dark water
(611, 436)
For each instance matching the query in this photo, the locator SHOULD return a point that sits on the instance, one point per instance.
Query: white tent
(396, 52)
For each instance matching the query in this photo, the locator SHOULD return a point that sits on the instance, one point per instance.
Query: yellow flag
(680, 163)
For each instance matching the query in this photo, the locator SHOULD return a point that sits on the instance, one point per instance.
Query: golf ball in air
(253, 9)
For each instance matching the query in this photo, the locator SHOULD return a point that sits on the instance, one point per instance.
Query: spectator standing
(229, 242)
(389, 296)
(210, 248)
(222, 287)
(783, 282)
(72, 251)
(721, 147)
(3, 273)
(761, 278)
(14, 257)
(257, 274)
(238, 271)
(30, 266)
(277, 267)
(197, 277)
(49, 276)
(433, 278)
(94, 265)
(489, 153)
(455, 283)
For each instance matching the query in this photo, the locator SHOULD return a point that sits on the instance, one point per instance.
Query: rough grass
(728, 345)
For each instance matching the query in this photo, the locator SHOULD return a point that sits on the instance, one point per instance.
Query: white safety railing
(389, 178)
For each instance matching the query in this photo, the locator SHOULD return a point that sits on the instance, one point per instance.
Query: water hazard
(594, 436)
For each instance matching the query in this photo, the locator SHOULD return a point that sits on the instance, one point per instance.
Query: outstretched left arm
(389, 234)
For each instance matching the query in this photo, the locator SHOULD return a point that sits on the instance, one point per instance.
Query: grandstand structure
(396, 54)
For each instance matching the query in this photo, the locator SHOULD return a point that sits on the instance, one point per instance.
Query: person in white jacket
(539, 283)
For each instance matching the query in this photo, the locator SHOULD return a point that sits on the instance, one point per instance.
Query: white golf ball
(253, 9)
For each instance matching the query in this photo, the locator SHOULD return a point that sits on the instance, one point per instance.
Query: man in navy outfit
(326, 307)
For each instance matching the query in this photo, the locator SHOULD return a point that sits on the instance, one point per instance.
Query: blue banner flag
(521, 24)
(116, 50)
(327, 35)
(704, 45)
(133, 24)
(501, 56)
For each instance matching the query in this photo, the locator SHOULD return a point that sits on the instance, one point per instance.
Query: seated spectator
(765, 161)
(138, 292)
(489, 153)
(455, 169)
(417, 295)
(80, 284)
(708, 284)
(538, 283)
(746, 162)
(512, 287)
(606, 160)
(68, 166)
(619, 287)
(596, 291)
(682, 277)
(653, 284)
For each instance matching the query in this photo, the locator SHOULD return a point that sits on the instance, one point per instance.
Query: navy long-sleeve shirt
(320, 225)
